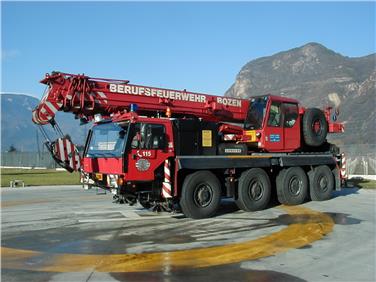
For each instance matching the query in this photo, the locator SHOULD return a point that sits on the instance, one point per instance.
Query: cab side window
(153, 135)
(149, 136)
(290, 112)
(275, 114)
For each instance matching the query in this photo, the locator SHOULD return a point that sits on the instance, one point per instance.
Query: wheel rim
(317, 127)
(295, 185)
(203, 195)
(255, 189)
(322, 183)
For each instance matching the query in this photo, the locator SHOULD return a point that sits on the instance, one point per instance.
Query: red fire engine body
(171, 149)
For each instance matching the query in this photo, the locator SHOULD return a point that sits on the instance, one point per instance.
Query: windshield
(256, 113)
(107, 140)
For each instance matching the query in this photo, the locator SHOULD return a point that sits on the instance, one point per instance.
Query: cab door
(148, 151)
(291, 126)
(274, 131)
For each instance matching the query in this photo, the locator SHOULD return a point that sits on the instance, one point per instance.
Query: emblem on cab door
(142, 165)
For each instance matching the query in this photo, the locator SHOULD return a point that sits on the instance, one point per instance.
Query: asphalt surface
(71, 234)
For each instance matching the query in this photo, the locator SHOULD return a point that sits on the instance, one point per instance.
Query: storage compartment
(195, 137)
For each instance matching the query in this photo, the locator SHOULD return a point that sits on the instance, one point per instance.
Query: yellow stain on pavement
(307, 227)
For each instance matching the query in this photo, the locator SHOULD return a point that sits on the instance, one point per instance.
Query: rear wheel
(254, 190)
(201, 195)
(321, 183)
(292, 186)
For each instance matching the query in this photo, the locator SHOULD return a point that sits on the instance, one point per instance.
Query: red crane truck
(170, 149)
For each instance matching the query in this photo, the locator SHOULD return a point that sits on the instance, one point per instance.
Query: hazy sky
(194, 45)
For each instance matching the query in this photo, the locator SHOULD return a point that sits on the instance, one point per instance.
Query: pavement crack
(89, 277)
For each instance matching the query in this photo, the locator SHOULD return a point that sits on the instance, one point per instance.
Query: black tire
(321, 183)
(254, 190)
(292, 186)
(201, 195)
(315, 127)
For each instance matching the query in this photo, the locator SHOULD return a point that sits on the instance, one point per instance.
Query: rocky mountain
(313, 74)
(19, 131)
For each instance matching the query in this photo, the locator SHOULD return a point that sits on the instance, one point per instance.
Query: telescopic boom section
(85, 97)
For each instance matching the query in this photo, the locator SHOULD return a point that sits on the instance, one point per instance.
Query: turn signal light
(120, 181)
(168, 112)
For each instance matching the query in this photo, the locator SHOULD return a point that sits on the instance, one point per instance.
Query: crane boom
(85, 96)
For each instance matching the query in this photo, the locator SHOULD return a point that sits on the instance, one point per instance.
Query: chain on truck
(179, 150)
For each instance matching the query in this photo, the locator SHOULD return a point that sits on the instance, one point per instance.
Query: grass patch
(39, 177)
(361, 183)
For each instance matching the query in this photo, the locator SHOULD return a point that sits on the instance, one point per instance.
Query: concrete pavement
(69, 234)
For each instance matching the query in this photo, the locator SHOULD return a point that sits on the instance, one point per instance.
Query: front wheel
(254, 190)
(292, 186)
(201, 195)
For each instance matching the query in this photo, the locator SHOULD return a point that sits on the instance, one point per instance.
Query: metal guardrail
(27, 159)
(361, 165)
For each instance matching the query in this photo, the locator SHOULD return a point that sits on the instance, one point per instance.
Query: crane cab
(273, 124)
